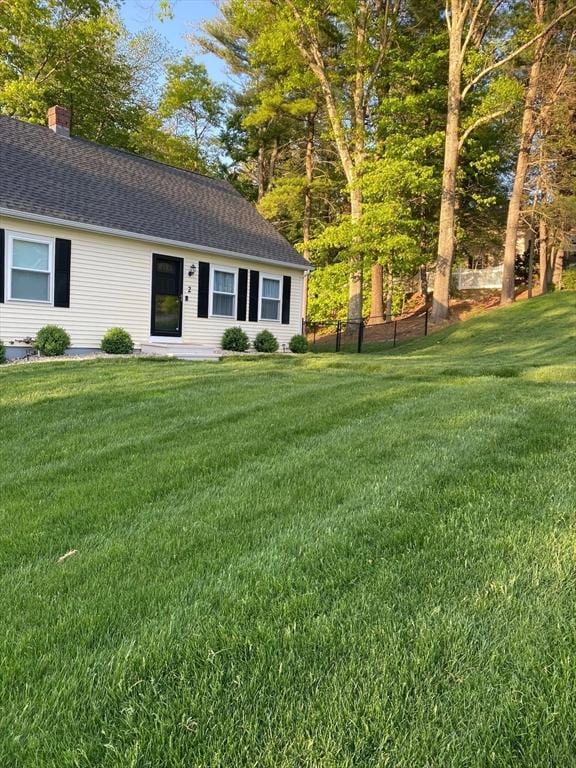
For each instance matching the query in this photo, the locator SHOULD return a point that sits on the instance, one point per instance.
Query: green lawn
(322, 561)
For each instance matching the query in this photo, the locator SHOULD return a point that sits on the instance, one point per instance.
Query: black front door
(167, 274)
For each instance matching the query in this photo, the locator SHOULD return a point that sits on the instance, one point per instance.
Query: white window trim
(49, 241)
(278, 278)
(232, 271)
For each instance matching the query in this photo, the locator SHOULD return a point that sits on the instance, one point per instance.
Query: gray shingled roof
(79, 181)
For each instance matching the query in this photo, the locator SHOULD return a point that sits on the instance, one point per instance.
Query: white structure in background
(474, 279)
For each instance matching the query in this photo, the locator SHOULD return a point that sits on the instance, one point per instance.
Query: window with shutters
(270, 298)
(30, 267)
(223, 292)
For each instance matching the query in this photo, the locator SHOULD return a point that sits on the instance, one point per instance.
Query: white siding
(110, 285)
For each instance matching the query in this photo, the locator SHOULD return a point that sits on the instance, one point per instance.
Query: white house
(93, 237)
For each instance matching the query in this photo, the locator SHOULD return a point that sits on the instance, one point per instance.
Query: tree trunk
(389, 295)
(530, 266)
(272, 164)
(446, 230)
(515, 204)
(543, 250)
(309, 166)
(260, 171)
(377, 295)
(359, 140)
(355, 281)
(307, 217)
(422, 244)
(558, 268)
(423, 281)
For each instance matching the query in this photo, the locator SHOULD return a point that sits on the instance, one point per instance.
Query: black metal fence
(356, 336)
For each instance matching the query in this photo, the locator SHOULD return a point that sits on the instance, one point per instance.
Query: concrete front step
(180, 351)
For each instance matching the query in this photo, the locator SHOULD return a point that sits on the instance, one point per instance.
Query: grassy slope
(322, 561)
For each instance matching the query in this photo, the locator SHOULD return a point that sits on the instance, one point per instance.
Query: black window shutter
(286, 289)
(203, 288)
(62, 272)
(254, 291)
(242, 294)
(2, 261)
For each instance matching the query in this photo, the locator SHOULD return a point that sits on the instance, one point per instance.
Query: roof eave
(73, 224)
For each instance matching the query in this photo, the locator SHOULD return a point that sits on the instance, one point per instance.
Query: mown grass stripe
(337, 561)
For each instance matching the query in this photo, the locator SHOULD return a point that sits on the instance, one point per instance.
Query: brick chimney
(59, 120)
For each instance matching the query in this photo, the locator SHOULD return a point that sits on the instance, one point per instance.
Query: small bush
(52, 340)
(265, 342)
(117, 341)
(2, 353)
(235, 340)
(298, 344)
(569, 279)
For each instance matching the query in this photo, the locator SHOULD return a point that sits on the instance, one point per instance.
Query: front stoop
(180, 351)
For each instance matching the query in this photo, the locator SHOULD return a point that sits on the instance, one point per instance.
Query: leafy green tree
(180, 122)
(67, 52)
(78, 54)
(191, 101)
(328, 292)
(154, 139)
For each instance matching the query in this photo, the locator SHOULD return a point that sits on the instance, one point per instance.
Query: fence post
(426, 323)
(338, 335)
(360, 335)
(395, 326)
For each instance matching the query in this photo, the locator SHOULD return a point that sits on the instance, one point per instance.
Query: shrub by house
(51, 340)
(235, 340)
(265, 342)
(117, 341)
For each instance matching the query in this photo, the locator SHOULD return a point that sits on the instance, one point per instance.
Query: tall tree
(553, 159)
(345, 46)
(472, 27)
(533, 100)
(264, 136)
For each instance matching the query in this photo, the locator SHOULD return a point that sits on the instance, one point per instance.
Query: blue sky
(188, 16)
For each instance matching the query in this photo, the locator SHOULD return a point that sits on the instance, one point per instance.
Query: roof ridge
(120, 150)
(138, 156)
